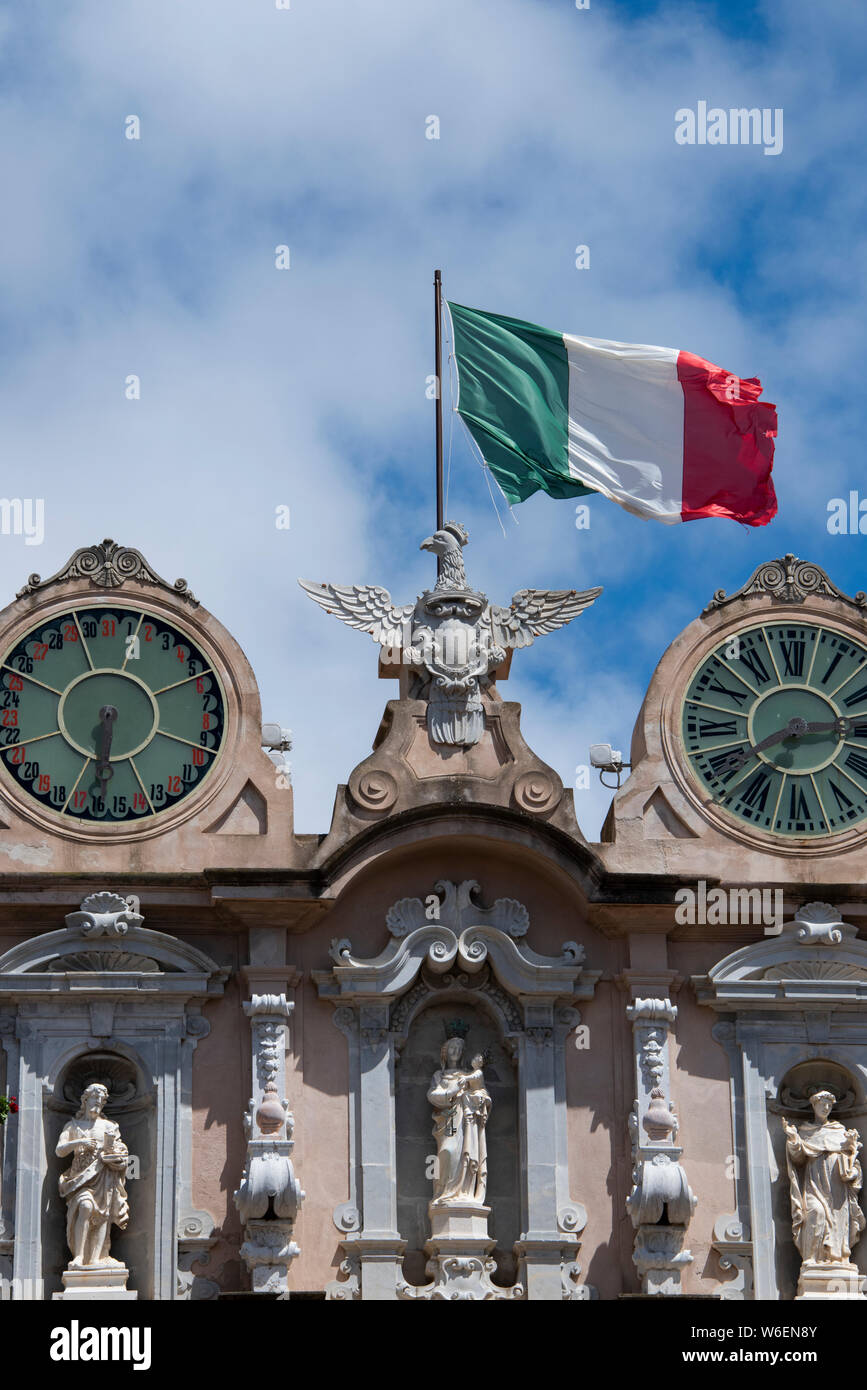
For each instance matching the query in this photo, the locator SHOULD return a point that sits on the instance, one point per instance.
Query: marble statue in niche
(461, 1105)
(93, 1185)
(824, 1182)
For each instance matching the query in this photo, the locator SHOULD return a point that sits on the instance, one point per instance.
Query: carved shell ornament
(452, 905)
(114, 1072)
(820, 922)
(104, 914)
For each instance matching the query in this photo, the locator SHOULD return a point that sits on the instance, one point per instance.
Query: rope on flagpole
(481, 461)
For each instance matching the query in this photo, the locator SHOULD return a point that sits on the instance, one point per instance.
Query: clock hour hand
(104, 769)
(796, 728)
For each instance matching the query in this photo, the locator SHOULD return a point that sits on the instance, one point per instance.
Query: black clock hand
(796, 728)
(841, 725)
(104, 769)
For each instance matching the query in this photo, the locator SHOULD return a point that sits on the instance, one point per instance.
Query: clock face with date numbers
(108, 714)
(774, 727)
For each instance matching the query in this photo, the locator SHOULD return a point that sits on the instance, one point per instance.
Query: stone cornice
(816, 961)
(615, 903)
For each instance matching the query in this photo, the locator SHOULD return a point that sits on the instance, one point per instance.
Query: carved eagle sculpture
(451, 637)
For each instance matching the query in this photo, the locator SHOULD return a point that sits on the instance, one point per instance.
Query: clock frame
(736, 618)
(775, 725)
(203, 635)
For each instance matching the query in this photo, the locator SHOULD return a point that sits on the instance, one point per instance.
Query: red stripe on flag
(728, 444)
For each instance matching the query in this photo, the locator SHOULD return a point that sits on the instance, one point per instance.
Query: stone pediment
(816, 960)
(787, 580)
(107, 566)
(106, 943)
(814, 970)
(448, 934)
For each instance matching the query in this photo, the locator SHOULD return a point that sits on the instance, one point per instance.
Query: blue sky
(306, 387)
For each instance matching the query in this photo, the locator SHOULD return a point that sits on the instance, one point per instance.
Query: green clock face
(775, 728)
(108, 714)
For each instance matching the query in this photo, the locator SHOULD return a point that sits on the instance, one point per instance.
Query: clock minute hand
(840, 725)
(104, 770)
(796, 728)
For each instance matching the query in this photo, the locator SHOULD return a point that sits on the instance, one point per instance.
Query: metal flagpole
(438, 352)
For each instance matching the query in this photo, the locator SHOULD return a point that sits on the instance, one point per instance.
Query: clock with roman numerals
(109, 714)
(774, 727)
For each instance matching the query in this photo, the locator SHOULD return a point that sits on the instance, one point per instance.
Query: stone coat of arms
(451, 637)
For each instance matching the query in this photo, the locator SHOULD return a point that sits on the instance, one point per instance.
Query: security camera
(603, 756)
(607, 759)
(276, 738)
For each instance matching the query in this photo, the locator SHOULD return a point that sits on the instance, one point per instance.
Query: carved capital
(652, 1011)
(272, 1005)
(268, 1251)
(540, 1037)
(660, 1258)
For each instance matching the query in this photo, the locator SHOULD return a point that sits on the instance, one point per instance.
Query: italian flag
(665, 433)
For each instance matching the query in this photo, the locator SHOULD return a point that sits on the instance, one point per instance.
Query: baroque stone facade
(450, 1049)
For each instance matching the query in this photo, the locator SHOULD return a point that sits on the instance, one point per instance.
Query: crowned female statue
(461, 1105)
(93, 1184)
(824, 1182)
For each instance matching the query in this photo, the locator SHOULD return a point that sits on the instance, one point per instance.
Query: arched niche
(789, 1004)
(418, 1059)
(105, 985)
(132, 1105)
(792, 1103)
(450, 942)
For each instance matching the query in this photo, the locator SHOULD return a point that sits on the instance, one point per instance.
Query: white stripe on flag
(626, 413)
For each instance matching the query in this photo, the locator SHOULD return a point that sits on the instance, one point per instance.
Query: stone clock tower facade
(449, 1048)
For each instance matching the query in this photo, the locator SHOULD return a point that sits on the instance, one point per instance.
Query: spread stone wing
(536, 611)
(366, 607)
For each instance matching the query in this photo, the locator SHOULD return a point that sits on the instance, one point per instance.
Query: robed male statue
(824, 1182)
(93, 1185)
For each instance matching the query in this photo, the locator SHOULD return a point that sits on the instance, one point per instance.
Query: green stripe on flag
(514, 399)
